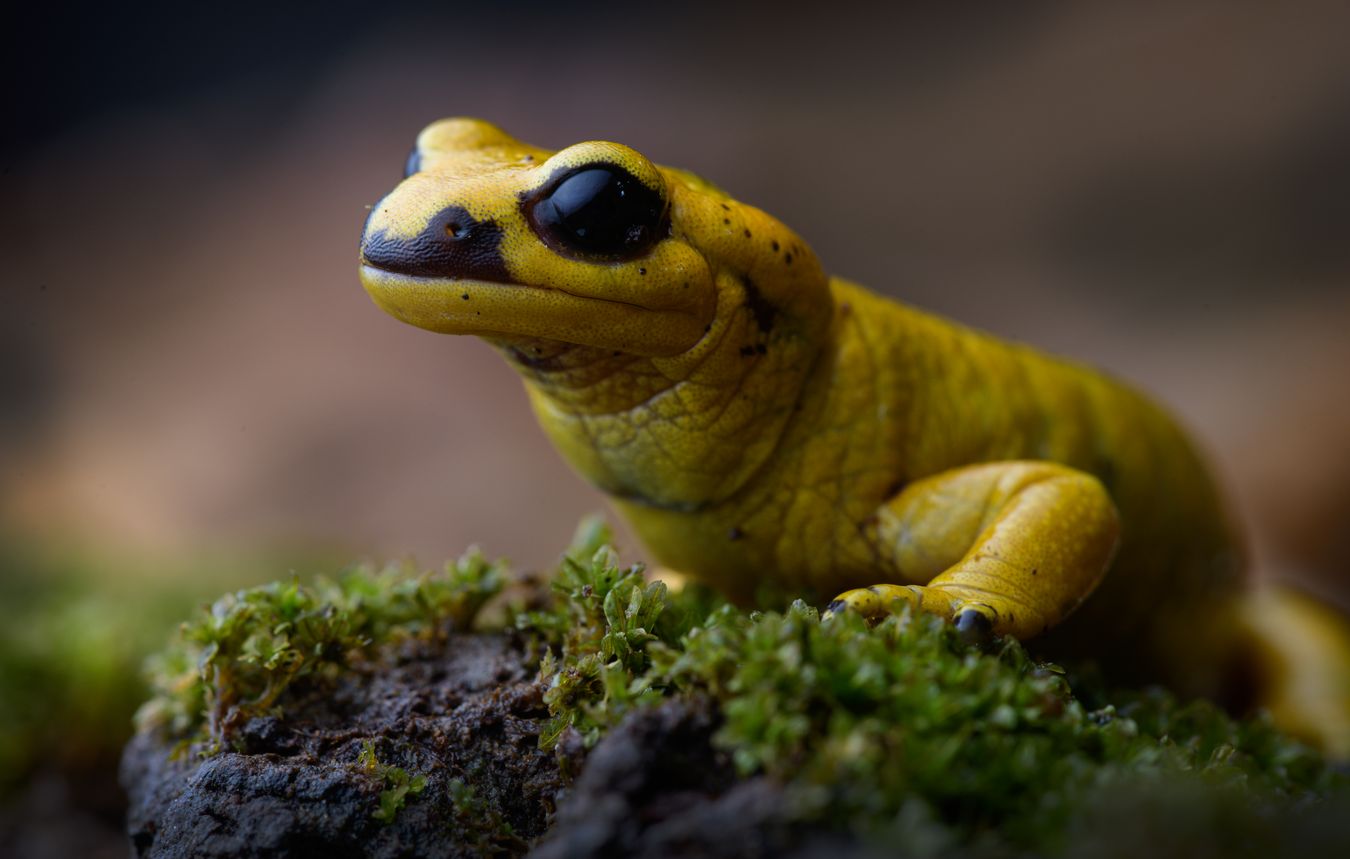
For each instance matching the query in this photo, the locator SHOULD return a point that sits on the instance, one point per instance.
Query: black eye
(599, 211)
(414, 163)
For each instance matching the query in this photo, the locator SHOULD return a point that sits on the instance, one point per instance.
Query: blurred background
(196, 394)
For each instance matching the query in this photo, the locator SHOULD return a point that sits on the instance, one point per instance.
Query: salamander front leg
(1006, 548)
(974, 621)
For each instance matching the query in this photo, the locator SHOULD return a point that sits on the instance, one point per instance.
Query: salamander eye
(598, 211)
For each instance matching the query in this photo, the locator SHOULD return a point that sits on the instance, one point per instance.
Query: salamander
(763, 425)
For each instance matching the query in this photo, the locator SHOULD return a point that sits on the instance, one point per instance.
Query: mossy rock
(331, 772)
(378, 714)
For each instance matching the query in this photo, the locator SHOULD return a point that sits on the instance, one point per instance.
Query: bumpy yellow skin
(761, 424)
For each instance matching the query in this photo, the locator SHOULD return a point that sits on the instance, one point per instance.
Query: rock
(295, 785)
(655, 786)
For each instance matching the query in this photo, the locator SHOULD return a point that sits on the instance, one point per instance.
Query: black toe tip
(835, 606)
(974, 627)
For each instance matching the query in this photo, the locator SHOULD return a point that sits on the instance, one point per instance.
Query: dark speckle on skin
(788, 259)
(465, 296)
(726, 220)
(642, 271)
(1106, 473)
(759, 307)
(747, 351)
(735, 534)
(775, 245)
(747, 234)
(534, 359)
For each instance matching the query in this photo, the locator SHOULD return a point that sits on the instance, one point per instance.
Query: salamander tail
(1300, 666)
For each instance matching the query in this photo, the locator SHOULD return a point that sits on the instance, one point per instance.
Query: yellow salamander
(763, 424)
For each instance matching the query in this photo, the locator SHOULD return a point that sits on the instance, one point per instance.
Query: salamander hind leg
(1298, 655)
(1006, 548)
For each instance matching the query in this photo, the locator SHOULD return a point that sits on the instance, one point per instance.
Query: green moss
(482, 826)
(870, 729)
(237, 656)
(397, 783)
(893, 731)
(595, 634)
(76, 624)
(861, 723)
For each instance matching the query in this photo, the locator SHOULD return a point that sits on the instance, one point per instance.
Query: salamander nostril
(453, 244)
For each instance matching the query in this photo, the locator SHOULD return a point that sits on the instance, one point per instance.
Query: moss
(892, 731)
(76, 624)
(237, 657)
(482, 826)
(595, 633)
(863, 723)
(870, 729)
(397, 784)
(64, 697)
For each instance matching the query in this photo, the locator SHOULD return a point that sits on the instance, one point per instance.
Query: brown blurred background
(188, 364)
(194, 389)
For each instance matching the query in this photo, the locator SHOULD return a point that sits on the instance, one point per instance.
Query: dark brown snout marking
(453, 244)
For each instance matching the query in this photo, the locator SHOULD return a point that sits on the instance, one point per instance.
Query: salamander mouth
(464, 305)
(438, 289)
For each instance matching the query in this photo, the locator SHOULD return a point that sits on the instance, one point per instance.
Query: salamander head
(593, 245)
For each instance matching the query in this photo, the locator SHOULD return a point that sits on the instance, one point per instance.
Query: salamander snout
(453, 244)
